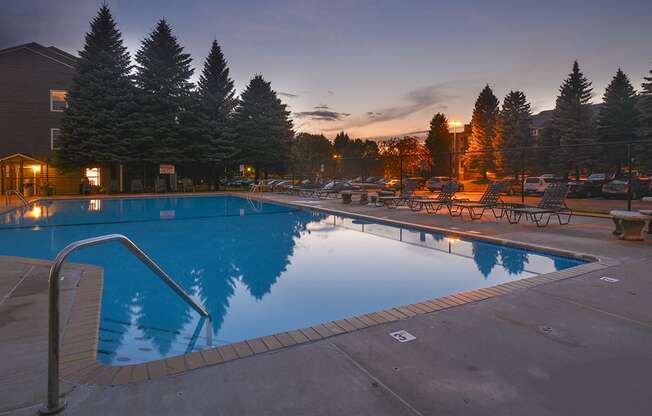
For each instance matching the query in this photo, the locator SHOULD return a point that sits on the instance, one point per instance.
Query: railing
(18, 194)
(53, 403)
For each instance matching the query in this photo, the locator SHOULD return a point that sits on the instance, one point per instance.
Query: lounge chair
(433, 205)
(490, 199)
(187, 185)
(405, 197)
(552, 203)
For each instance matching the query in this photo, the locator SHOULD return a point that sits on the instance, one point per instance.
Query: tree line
(578, 137)
(153, 114)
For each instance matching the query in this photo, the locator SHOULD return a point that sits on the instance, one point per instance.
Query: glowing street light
(454, 124)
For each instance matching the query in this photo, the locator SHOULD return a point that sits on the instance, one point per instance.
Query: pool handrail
(53, 403)
(18, 194)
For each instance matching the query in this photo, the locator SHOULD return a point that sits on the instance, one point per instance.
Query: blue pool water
(259, 268)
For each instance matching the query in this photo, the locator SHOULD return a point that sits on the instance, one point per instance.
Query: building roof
(539, 120)
(53, 53)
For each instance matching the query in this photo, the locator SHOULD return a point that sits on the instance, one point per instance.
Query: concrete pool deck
(575, 346)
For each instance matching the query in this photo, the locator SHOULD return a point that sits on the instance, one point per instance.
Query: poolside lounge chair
(433, 205)
(187, 185)
(490, 199)
(405, 197)
(552, 203)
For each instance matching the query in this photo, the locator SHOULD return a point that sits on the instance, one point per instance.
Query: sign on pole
(166, 169)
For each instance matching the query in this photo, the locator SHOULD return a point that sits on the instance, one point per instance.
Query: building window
(93, 176)
(58, 100)
(55, 139)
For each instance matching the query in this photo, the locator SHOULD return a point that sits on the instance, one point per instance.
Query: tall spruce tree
(480, 155)
(264, 129)
(572, 124)
(439, 143)
(644, 151)
(341, 142)
(95, 124)
(217, 102)
(163, 74)
(513, 131)
(618, 120)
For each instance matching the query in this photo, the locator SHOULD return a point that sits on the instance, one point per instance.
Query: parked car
(619, 188)
(589, 187)
(536, 185)
(436, 183)
(238, 181)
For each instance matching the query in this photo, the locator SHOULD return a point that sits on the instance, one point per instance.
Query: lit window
(55, 139)
(93, 176)
(58, 100)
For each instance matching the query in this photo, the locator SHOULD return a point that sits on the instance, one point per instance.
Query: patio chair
(490, 199)
(433, 205)
(552, 204)
(187, 185)
(405, 197)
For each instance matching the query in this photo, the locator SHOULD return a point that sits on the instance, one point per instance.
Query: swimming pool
(259, 268)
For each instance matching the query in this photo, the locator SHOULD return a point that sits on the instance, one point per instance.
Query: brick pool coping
(80, 339)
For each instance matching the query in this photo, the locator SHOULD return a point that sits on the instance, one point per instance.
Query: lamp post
(454, 124)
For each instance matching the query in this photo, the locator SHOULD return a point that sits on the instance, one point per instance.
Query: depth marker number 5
(402, 336)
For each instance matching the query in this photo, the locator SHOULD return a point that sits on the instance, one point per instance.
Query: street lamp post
(454, 159)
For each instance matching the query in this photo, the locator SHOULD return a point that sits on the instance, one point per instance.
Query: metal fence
(627, 162)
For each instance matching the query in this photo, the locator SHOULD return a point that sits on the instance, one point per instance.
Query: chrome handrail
(53, 403)
(17, 193)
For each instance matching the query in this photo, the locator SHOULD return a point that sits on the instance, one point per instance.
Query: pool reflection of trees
(256, 252)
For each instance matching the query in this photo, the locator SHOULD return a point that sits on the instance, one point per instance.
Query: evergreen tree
(312, 147)
(95, 124)
(618, 120)
(264, 129)
(480, 155)
(439, 143)
(644, 151)
(513, 131)
(341, 142)
(572, 125)
(163, 73)
(217, 102)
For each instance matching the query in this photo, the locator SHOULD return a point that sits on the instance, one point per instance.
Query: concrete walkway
(573, 347)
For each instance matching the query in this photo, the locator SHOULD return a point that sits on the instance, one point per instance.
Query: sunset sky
(375, 68)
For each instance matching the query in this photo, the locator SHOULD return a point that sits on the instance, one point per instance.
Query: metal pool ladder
(17, 193)
(53, 403)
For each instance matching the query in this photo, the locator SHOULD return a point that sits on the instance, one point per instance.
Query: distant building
(34, 81)
(539, 121)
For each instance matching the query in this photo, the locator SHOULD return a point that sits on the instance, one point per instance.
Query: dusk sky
(375, 68)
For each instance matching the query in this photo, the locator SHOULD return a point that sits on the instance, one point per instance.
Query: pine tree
(216, 104)
(513, 131)
(95, 123)
(572, 124)
(264, 129)
(341, 142)
(618, 120)
(439, 143)
(644, 151)
(162, 77)
(480, 155)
